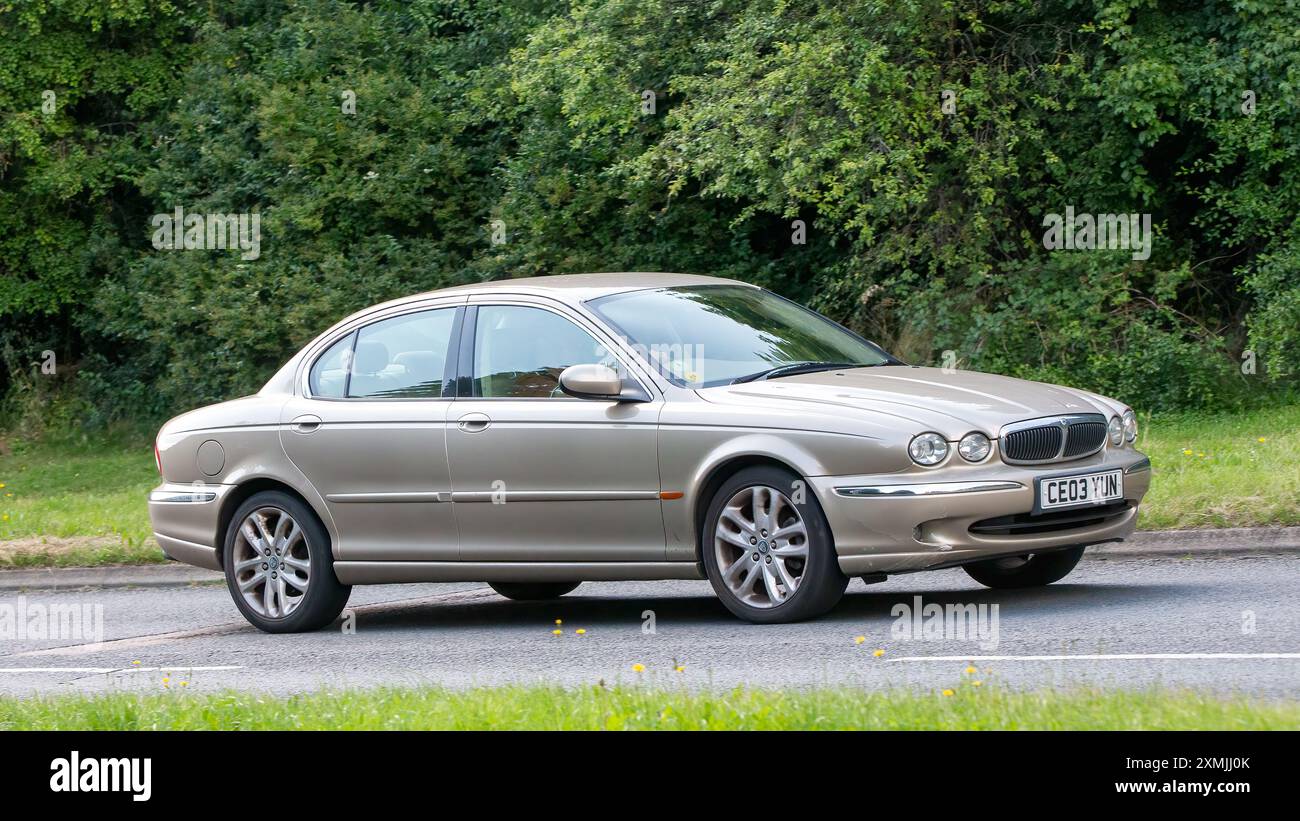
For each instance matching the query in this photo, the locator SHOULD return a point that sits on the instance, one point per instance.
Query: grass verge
(636, 708)
(84, 504)
(76, 504)
(1223, 470)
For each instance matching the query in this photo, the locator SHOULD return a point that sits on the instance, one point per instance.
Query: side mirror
(596, 381)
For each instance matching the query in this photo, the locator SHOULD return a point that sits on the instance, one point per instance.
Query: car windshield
(707, 335)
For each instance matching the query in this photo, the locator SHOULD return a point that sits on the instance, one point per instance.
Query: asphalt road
(1219, 624)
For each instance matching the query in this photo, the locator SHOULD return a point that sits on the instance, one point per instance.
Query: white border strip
(1107, 657)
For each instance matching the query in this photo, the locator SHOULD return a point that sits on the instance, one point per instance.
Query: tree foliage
(920, 142)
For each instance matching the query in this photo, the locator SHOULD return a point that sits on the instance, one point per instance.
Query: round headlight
(928, 449)
(1116, 431)
(973, 447)
(1130, 426)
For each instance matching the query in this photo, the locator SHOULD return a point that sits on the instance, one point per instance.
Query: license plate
(1080, 490)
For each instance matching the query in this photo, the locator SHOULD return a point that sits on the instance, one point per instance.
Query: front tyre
(533, 591)
(1033, 570)
(278, 565)
(770, 559)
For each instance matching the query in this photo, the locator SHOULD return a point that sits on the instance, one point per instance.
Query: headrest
(422, 363)
(371, 357)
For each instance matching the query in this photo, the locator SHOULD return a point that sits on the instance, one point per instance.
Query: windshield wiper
(796, 368)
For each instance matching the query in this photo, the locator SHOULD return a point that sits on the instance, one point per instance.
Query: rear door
(369, 432)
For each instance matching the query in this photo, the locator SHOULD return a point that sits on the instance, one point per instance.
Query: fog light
(973, 447)
(928, 449)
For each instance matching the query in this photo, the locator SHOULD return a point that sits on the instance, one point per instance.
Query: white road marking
(7, 670)
(1106, 657)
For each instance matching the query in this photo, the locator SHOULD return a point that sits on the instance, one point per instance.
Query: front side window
(400, 358)
(519, 352)
(706, 335)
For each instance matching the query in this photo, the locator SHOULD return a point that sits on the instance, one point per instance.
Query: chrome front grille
(1053, 439)
(1083, 438)
(1038, 444)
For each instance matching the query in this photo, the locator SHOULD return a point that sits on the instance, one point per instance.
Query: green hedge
(924, 222)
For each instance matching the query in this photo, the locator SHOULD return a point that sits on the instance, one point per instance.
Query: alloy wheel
(272, 562)
(761, 545)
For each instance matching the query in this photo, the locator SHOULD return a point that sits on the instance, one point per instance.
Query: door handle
(474, 422)
(307, 423)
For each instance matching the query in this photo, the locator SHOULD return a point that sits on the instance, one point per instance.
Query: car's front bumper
(185, 518)
(921, 521)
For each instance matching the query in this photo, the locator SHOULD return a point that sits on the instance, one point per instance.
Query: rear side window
(400, 358)
(329, 376)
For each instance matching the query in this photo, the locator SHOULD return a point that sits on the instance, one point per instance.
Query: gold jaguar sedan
(534, 434)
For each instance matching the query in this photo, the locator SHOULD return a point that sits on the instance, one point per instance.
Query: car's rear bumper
(894, 524)
(185, 521)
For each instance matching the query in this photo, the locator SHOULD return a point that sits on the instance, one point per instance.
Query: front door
(538, 475)
(371, 437)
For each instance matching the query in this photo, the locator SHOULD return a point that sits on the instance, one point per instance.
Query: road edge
(1222, 542)
(1237, 542)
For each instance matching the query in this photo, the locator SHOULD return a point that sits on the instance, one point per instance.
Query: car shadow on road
(588, 608)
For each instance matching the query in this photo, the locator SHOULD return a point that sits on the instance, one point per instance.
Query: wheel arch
(720, 473)
(243, 492)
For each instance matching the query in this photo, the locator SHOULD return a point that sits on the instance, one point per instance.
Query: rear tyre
(279, 568)
(770, 559)
(533, 591)
(1032, 570)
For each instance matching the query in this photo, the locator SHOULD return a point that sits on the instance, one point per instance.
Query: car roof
(579, 287)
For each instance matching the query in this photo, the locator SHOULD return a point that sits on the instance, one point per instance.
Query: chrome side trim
(191, 497)
(926, 489)
(553, 495)
(377, 572)
(1137, 467)
(374, 498)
